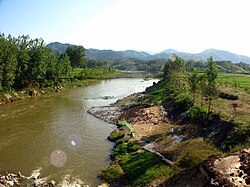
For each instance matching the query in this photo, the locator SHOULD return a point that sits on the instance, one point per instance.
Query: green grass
(141, 168)
(235, 80)
(112, 173)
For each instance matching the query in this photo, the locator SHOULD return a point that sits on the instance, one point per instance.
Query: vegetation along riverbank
(189, 129)
(28, 68)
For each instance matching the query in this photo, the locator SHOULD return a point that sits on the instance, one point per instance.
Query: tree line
(25, 61)
(177, 82)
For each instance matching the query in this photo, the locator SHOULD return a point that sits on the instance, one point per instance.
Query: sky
(143, 25)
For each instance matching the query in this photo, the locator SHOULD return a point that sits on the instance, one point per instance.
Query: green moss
(133, 146)
(120, 150)
(115, 135)
(112, 173)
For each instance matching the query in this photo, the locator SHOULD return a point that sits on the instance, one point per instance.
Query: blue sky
(143, 25)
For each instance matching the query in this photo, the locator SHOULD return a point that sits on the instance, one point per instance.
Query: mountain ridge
(218, 55)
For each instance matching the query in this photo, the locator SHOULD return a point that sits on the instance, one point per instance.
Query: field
(241, 81)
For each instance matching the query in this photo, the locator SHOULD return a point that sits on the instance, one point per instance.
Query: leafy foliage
(26, 62)
(237, 137)
(209, 88)
(172, 73)
(76, 56)
(197, 113)
(193, 82)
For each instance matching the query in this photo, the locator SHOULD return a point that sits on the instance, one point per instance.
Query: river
(56, 134)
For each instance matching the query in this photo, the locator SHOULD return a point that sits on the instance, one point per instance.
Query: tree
(193, 82)
(8, 61)
(23, 58)
(173, 72)
(52, 59)
(76, 56)
(210, 88)
(38, 61)
(64, 66)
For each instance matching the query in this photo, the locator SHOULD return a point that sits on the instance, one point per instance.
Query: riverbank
(32, 92)
(179, 152)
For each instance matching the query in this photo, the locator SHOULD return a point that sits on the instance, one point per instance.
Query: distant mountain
(57, 46)
(110, 54)
(102, 54)
(218, 55)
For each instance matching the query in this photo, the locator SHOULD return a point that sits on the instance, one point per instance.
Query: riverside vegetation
(205, 120)
(27, 65)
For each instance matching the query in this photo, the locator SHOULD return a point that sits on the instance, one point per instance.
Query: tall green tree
(38, 61)
(64, 66)
(52, 59)
(210, 88)
(173, 73)
(76, 56)
(8, 61)
(193, 83)
(23, 59)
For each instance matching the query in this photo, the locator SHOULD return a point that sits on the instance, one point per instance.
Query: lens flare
(74, 141)
(58, 158)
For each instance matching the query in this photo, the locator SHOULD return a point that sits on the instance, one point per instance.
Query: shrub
(197, 113)
(112, 173)
(238, 137)
(227, 96)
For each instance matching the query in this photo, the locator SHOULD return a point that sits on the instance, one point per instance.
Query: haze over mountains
(218, 55)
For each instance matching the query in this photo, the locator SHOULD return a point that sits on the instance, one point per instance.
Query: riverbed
(56, 134)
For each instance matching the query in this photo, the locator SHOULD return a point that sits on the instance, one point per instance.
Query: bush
(112, 173)
(227, 96)
(197, 113)
(177, 104)
(238, 137)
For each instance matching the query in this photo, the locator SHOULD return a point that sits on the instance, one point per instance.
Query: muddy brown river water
(54, 133)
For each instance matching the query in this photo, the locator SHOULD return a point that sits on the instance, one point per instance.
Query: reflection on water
(56, 133)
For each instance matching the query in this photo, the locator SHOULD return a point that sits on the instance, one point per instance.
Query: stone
(7, 96)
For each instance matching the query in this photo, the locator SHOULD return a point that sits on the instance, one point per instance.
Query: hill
(218, 55)
(102, 54)
(57, 46)
(96, 54)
